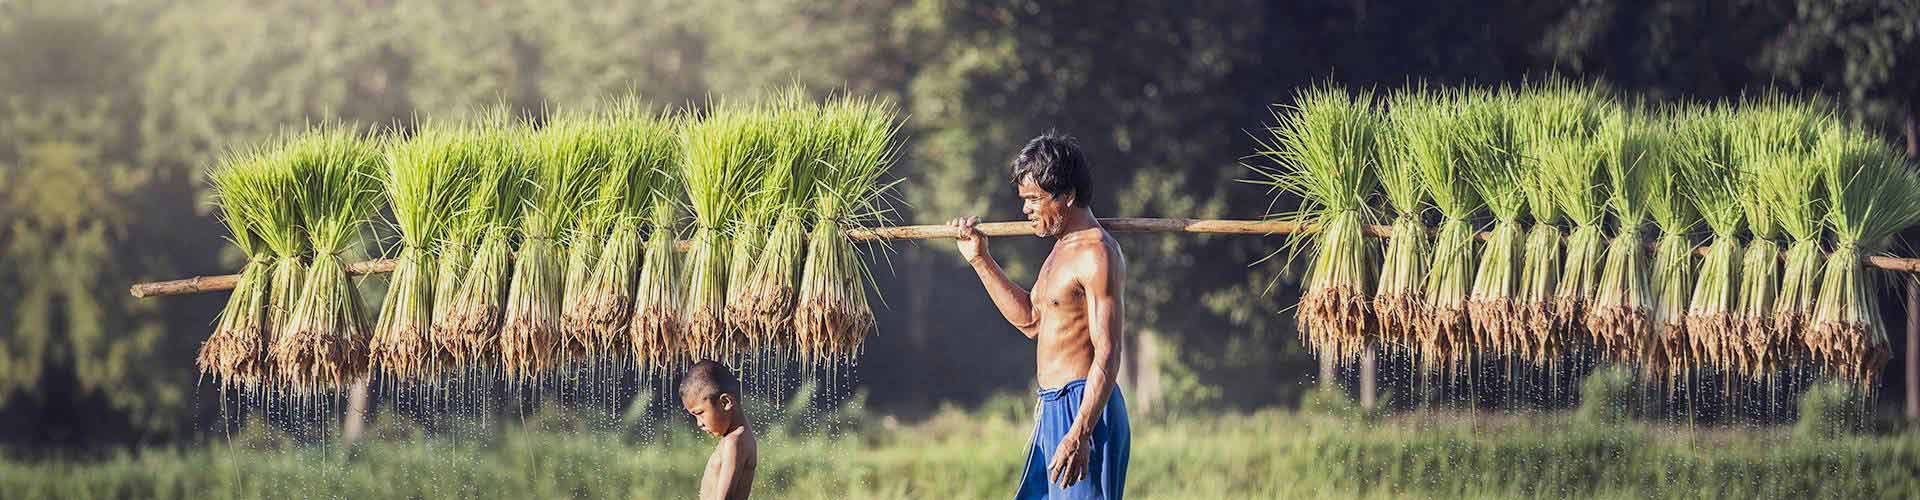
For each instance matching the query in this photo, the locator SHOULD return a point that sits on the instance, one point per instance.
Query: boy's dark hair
(707, 379)
(1055, 163)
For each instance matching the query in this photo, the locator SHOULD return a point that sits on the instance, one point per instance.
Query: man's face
(1043, 208)
(710, 413)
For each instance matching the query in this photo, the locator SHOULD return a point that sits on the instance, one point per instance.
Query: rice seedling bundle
(568, 167)
(1772, 135)
(644, 148)
(245, 184)
(1398, 302)
(1326, 148)
(1494, 168)
(658, 329)
(1874, 194)
(1669, 348)
(766, 294)
(324, 344)
(727, 153)
(831, 315)
(494, 208)
(1573, 169)
(1436, 140)
(426, 179)
(1634, 159)
(1711, 181)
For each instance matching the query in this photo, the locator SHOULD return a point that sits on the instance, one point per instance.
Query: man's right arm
(1014, 302)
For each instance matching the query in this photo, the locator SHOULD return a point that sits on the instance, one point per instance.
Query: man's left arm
(1103, 284)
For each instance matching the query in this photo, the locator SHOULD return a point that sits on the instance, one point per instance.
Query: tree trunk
(356, 418)
(1912, 127)
(1367, 382)
(1140, 372)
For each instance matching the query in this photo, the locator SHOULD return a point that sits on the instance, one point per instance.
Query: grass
(955, 454)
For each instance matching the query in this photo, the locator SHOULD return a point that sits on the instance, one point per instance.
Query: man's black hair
(707, 379)
(1055, 163)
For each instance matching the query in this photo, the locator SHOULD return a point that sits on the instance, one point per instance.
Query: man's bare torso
(740, 447)
(1065, 351)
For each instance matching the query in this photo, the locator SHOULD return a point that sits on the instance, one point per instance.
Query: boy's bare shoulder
(740, 445)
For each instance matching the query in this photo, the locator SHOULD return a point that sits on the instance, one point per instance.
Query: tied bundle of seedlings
(1540, 264)
(1670, 348)
(831, 316)
(1398, 303)
(658, 329)
(1617, 315)
(1792, 189)
(645, 148)
(568, 166)
(1711, 181)
(324, 344)
(1434, 138)
(1326, 145)
(1492, 158)
(427, 185)
(728, 152)
(1573, 170)
(769, 290)
(1874, 195)
(494, 207)
(245, 184)
(1759, 273)
(589, 218)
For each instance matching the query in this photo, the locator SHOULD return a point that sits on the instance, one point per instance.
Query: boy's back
(730, 470)
(711, 394)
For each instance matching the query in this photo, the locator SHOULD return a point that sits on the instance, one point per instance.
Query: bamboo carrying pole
(202, 284)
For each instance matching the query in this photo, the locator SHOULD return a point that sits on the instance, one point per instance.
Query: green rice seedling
(768, 291)
(1792, 190)
(427, 184)
(1398, 302)
(1634, 158)
(1436, 140)
(1711, 180)
(584, 234)
(1495, 170)
(244, 184)
(1874, 195)
(645, 148)
(831, 315)
(1558, 122)
(568, 166)
(1326, 146)
(1670, 348)
(727, 153)
(495, 207)
(325, 341)
(1772, 137)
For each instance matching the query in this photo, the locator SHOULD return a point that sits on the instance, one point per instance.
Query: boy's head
(711, 394)
(1052, 176)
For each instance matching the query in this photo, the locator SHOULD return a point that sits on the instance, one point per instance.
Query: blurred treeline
(111, 110)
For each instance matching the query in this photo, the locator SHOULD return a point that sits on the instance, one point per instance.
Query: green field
(955, 454)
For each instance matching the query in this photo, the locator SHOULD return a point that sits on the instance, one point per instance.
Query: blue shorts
(1111, 439)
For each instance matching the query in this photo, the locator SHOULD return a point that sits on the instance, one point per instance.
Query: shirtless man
(1081, 437)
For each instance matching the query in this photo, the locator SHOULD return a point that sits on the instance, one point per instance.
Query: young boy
(712, 395)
